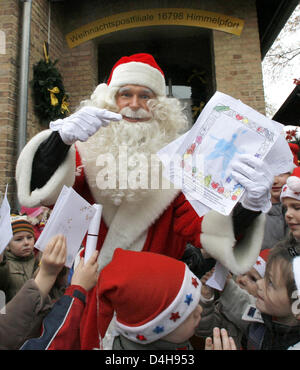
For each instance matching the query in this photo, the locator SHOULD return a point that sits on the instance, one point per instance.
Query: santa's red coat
(168, 234)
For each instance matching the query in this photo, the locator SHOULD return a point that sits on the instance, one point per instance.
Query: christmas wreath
(50, 99)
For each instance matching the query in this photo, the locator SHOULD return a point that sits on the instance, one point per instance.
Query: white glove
(83, 124)
(253, 174)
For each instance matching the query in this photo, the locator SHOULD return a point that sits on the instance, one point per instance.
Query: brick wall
(39, 33)
(9, 24)
(238, 60)
(80, 72)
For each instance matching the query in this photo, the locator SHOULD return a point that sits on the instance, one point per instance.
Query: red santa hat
(151, 294)
(138, 69)
(260, 264)
(295, 150)
(292, 187)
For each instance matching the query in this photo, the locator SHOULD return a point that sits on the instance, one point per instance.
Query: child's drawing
(226, 149)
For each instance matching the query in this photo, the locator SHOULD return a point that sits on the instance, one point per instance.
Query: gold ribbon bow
(64, 105)
(54, 100)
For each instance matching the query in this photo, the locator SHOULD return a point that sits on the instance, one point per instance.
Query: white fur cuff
(47, 195)
(217, 238)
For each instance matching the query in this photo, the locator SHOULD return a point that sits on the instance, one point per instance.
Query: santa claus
(105, 150)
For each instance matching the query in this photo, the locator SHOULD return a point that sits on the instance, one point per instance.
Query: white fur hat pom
(293, 182)
(292, 187)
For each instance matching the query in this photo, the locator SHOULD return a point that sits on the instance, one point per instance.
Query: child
(276, 300)
(155, 298)
(24, 313)
(290, 198)
(276, 228)
(18, 263)
(213, 311)
(62, 325)
(278, 325)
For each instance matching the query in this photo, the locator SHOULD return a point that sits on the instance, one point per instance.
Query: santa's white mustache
(135, 114)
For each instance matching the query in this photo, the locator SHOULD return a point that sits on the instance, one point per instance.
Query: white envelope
(5, 224)
(71, 216)
(218, 278)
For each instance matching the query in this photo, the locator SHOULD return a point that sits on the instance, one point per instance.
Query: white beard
(119, 160)
(139, 141)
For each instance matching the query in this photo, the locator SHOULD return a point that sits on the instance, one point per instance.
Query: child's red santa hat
(295, 150)
(260, 264)
(292, 187)
(138, 69)
(151, 294)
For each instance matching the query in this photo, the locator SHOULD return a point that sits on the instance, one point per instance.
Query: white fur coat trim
(217, 238)
(47, 195)
(129, 227)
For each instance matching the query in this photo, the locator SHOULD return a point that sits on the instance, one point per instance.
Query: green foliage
(45, 78)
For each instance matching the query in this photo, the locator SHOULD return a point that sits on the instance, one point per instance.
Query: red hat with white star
(260, 264)
(151, 295)
(292, 187)
(138, 69)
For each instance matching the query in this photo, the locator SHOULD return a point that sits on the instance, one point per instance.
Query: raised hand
(254, 175)
(52, 262)
(220, 341)
(86, 274)
(83, 124)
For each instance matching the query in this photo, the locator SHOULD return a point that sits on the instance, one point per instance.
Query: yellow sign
(155, 17)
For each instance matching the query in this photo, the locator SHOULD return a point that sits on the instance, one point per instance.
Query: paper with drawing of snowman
(201, 163)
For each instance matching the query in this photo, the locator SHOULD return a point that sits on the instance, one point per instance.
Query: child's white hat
(292, 187)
